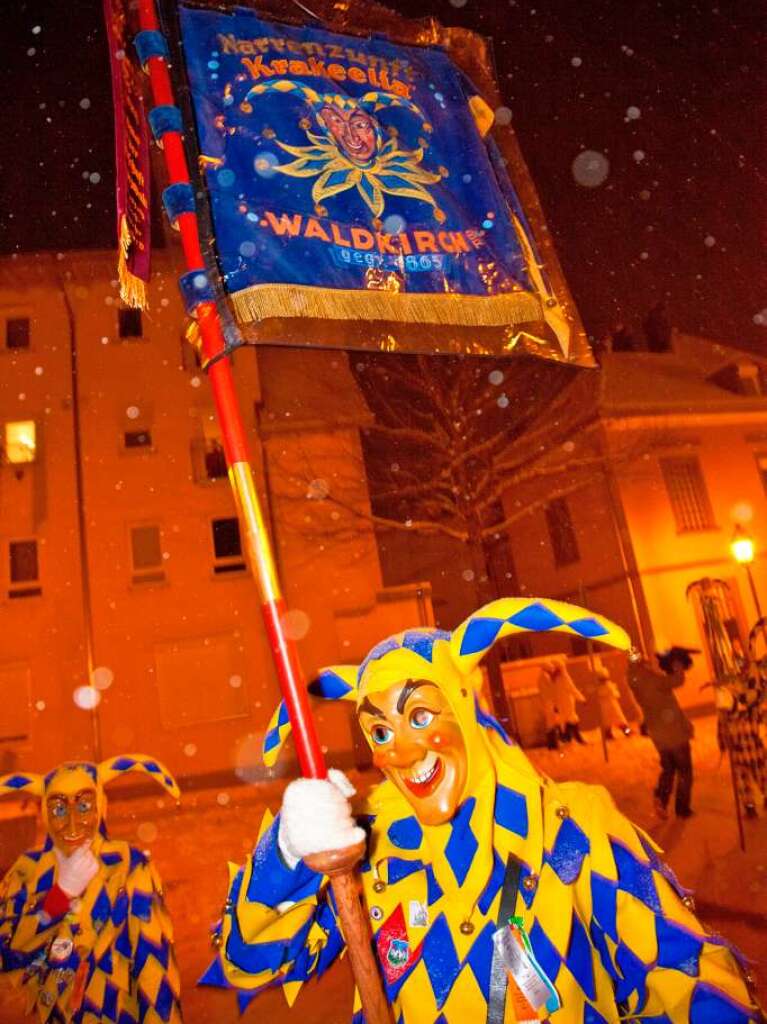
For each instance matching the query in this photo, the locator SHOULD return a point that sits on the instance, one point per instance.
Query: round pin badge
(60, 950)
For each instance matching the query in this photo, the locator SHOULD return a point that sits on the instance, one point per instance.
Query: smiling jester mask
(417, 700)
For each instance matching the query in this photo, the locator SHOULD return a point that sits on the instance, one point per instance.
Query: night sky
(672, 93)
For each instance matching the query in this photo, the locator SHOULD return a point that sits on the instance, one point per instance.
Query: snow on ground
(192, 844)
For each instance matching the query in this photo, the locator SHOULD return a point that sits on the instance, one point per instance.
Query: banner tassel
(132, 288)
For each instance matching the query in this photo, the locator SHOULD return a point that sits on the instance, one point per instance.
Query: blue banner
(351, 178)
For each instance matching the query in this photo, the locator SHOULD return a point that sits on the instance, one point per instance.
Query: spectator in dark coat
(667, 725)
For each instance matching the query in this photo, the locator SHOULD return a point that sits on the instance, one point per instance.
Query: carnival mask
(417, 743)
(353, 130)
(72, 818)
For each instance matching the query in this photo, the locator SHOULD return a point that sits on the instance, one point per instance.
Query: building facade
(130, 619)
(673, 457)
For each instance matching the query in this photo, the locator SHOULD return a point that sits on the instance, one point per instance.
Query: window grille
(687, 493)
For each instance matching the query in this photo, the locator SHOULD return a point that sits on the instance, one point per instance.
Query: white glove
(76, 871)
(316, 816)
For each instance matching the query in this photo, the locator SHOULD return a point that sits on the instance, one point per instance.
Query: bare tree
(464, 447)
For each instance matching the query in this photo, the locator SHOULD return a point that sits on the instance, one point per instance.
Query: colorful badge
(393, 947)
(60, 950)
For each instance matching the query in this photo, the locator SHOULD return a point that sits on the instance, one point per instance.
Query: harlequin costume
(740, 728)
(607, 922)
(107, 955)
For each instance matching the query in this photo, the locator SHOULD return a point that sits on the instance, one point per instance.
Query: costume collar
(503, 816)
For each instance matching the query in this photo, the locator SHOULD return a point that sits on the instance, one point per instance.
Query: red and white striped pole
(235, 441)
(354, 922)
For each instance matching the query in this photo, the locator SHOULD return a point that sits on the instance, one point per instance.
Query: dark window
(564, 543)
(687, 493)
(227, 546)
(129, 323)
(17, 332)
(24, 566)
(761, 465)
(23, 569)
(146, 550)
(138, 439)
(215, 460)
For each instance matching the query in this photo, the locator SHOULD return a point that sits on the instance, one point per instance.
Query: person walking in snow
(667, 725)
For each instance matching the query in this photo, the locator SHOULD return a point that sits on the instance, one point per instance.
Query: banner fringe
(132, 288)
(264, 301)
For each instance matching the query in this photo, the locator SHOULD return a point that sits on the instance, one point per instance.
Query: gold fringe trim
(132, 288)
(264, 301)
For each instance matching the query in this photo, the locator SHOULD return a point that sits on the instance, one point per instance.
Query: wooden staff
(354, 922)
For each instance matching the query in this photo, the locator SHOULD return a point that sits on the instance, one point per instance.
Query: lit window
(23, 569)
(17, 332)
(687, 493)
(227, 547)
(137, 439)
(146, 550)
(129, 323)
(564, 543)
(20, 441)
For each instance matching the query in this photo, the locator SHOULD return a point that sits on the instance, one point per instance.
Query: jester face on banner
(350, 152)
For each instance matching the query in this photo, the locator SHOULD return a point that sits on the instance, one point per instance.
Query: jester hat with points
(72, 777)
(450, 660)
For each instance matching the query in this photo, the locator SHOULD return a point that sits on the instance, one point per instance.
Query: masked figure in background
(610, 711)
(740, 702)
(566, 696)
(494, 894)
(83, 926)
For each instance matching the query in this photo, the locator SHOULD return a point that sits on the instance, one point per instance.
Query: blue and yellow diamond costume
(119, 964)
(607, 921)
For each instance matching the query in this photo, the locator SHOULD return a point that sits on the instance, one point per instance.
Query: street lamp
(742, 548)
